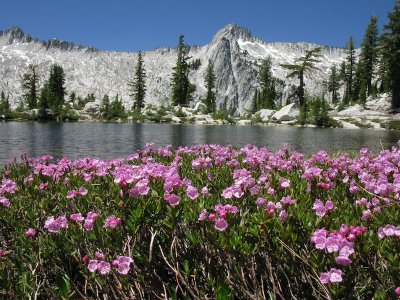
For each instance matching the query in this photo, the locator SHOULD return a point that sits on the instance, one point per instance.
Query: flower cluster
(321, 209)
(388, 230)
(271, 208)
(122, 264)
(220, 215)
(341, 242)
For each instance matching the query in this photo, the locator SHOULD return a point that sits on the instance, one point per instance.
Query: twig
(153, 235)
(307, 264)
(177, 273)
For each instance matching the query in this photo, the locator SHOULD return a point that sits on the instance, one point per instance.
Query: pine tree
(358, 83)
(334, 84)
(105, 106)
(350, 71)
(390, 45)
(30, 87)
(267, 83)
(209, 82)
(255, 106)
(138, 85)
(182, 89)
(303, 64)
(56, 89)
(5, 108)
(369, 57)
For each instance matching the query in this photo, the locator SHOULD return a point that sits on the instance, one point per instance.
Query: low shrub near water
(202, 222)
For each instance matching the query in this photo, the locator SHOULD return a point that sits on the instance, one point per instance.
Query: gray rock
(265, 114)
(286, 113)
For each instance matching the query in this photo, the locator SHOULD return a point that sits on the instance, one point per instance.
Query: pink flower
(261, 202)
(204, 191)
(343, 260)
(192, 192)
(287, 200)
(211, 217)
(43, 185)
(71, 194)
(285, 183)
(172, 199)
(82, 192)
(89, 224)
(76, 217)
(123, 264)
(4, 201)
(321, 208)
(333, 276)
(203, 215)
(52, 225)
(93, 265)
(283, 215)
(99, 255)
(112, 222)
(397, 291)
(30, 233)
(220, 224)
(103, 267)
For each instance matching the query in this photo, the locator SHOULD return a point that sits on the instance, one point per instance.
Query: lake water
(109, 140)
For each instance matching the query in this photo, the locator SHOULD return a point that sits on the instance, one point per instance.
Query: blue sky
(124, 25)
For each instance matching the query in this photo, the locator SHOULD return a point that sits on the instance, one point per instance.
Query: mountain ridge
(235, 52)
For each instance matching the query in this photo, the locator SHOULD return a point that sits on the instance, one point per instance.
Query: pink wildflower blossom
(220, 224)
(333, 276)
(112, 222)
(192, 192)
(30, 233)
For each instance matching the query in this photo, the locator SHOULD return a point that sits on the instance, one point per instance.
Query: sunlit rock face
(236, 55)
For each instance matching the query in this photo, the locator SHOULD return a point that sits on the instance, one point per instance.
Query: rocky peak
(16, 35)
(233, 31)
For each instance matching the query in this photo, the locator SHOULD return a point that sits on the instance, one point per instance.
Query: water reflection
(108, 140)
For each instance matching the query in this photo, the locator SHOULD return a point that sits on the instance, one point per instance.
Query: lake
(110, 140)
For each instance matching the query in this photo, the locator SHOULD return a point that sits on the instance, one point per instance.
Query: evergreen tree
(105, 106)
(116, 109)
(138, 85)
(358, 84)
(30, 87)
(56, 89)
(350, 71)
(5, 108)
(390, 45)
(182, 89)
(369, 57)
(44, 101)
(303, 64)
(267, 83)
(209, 82)
(255, 106)
(334, 84)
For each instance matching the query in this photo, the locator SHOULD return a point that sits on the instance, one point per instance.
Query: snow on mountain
(235, 53)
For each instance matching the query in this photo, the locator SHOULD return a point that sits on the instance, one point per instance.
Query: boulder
(91, 108)
(175, 119)
(201, 107)
(243, 122)
(287, 113)
(265, 114)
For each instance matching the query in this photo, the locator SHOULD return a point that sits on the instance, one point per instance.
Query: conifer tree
(30, 87)
(209, 82)
(369, 57)
(5, 107)
(138, 85)
(303, 64)
(350, 71)
(56, 89)
(390, 45)
(182, 89)
(334, 84)
(105, 106)
(267, 82)
(255, 106)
